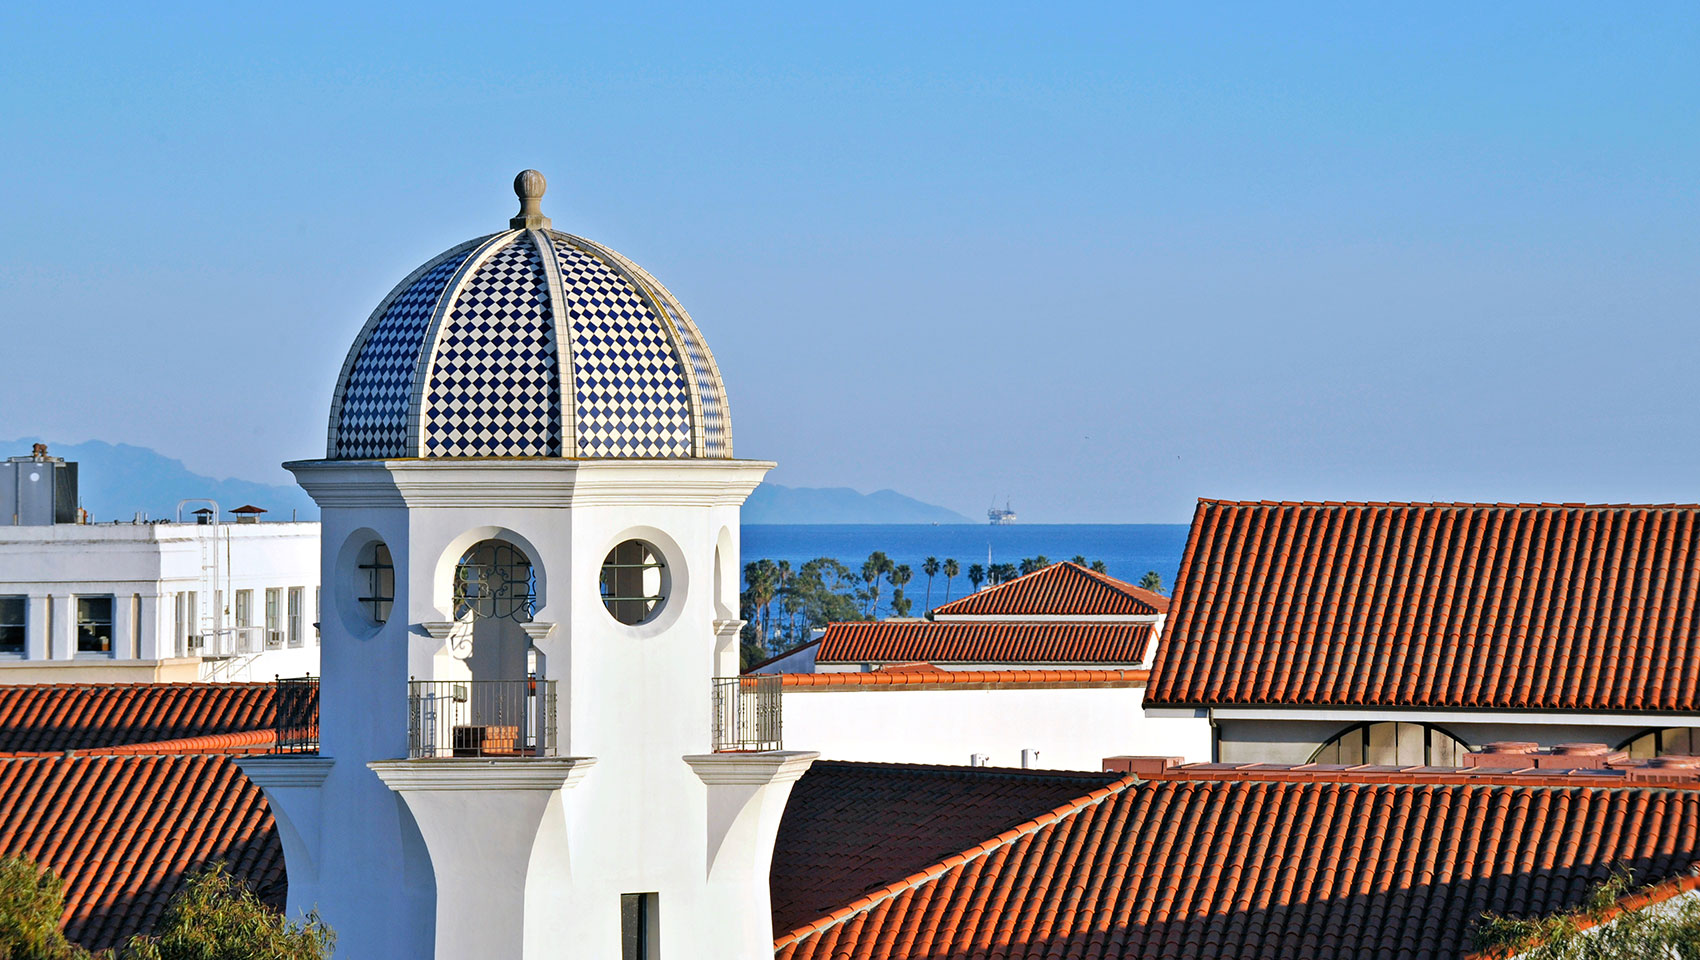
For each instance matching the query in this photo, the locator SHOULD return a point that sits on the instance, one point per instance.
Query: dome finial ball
(529, 187)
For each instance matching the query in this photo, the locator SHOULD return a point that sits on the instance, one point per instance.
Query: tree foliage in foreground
(214, 917)
(1668, 930)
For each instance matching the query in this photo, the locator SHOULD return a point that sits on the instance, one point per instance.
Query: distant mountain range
(772, 503)
(116, 481)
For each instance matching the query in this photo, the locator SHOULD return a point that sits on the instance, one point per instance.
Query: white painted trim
(508, 773)
(1635, 718)
(526, 482)
(270, 773)
(752, 769)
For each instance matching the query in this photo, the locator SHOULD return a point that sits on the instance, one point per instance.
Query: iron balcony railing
(296, 720)
(747, 713)
(480, 718)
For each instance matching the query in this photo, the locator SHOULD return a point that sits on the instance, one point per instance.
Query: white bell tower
(530, 581)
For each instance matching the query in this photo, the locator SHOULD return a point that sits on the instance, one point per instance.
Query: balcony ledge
(482, 773)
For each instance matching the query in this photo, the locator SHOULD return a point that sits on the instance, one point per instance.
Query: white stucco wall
(1073, 728)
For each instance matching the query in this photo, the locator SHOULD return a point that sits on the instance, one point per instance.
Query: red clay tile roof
(1061, 589)
(65, 716)
(851, 827)
(1247, 868)
(906, 641)
(1627, 772)
(990, 678)
(1549, 606)
(124, 830)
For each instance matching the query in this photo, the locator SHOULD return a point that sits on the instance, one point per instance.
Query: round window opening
(634, 582)
(375, 582)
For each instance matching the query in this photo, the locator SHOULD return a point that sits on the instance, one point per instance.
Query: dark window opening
(379, 582)
(639, 926)
(634, 582)
(94, 625)
(13, 611)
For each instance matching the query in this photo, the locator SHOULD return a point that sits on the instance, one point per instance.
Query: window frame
(82, 621)
(21, 625)
(297, 600)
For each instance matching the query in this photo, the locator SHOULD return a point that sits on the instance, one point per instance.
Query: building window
(1392, 744)
(640, 926)
(13, 620)
(495, 580)
(634, 582)
(94, 626)
(1674, 741)
(274, 616)
(244, 608)
(297, 595)
(318, 618)
(377, 582)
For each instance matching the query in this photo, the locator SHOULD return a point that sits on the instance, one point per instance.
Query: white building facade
(169, 602)
(530, 566)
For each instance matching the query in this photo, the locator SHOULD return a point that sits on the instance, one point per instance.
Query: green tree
(976, 575)
(876, 566)
(761, 585)
(1033, 564)
(1099, 566)
(930, 567)
(31, 900)
(216, 917)
(1670, 929)
(951, 570)
(1001, 573)
(1152, 581)
(1079, 560)
(900, 575)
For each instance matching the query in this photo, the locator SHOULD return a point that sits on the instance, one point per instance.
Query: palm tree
(930, 567)
(1079, 560)
(951, 569)
(976, 575)
(1152, 581)
(1032, 564)
(1099, 566)
(762, 584)
(899, 576)
(1005, 571)
(877, 565)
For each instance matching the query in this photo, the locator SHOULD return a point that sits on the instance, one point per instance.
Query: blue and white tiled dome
(529, 343)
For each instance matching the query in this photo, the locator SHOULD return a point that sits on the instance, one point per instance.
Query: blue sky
(1100, 260)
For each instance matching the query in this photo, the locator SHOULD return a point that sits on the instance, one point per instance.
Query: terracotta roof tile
(907, 641)
(64, 716)
(124, 831)
(1061, 589)
(850, 827)
(1249, 868)
(1532, 606)
(990, 678)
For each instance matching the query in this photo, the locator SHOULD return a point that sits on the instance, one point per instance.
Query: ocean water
(1128, 550)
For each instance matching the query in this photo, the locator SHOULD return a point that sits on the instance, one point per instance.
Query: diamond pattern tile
(631, 393)
(373, 420)
(494, 388)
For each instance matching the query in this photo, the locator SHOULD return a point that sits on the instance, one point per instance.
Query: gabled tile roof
(1061, 589)
(1254, 868)
(124, 831)
(65, 716)
(901, 641)
(851, 827)
(1533, 606)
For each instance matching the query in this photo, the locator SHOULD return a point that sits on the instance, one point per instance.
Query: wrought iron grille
(494, 580)
(747, 713)
(481, 718)
(296, 720)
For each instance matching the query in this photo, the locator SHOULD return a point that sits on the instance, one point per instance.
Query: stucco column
(746, 799)
(123, 626)
(147, 645)
(726, 647)
(483, 822)
(36, 643)
(62, 638)
(292, 788)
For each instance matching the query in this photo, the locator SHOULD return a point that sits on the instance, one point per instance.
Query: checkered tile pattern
(494, 389)
(373, 419)
(714, 439)
(631, 393)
